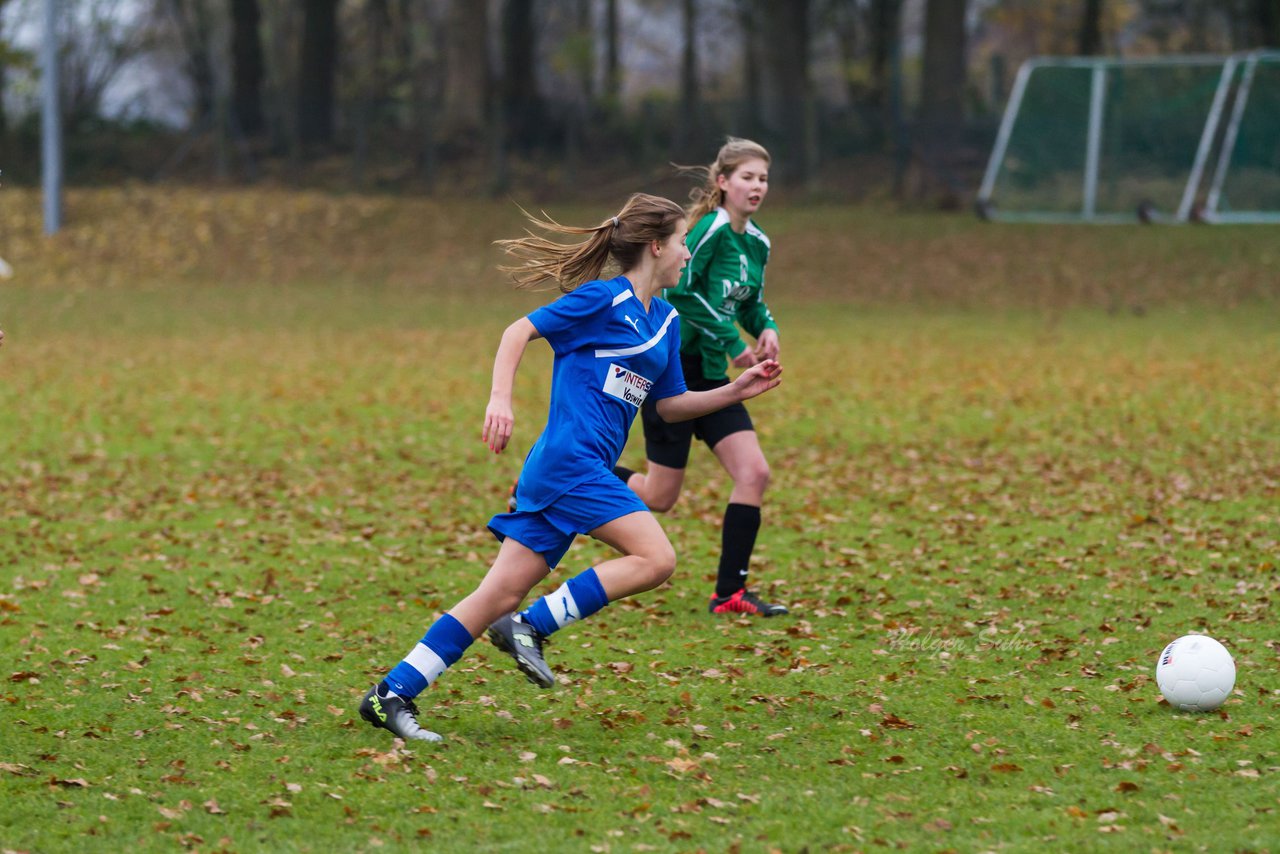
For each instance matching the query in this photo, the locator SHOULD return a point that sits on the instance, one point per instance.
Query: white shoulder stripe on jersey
(622, 297)
(754, 231)
(721, 219)
(640, 348)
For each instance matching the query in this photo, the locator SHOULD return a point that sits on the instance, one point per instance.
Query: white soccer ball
(1195, 673)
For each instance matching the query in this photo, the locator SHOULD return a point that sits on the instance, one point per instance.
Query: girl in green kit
(721, 290)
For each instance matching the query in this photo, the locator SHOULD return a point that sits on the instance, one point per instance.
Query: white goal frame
(1228, 82)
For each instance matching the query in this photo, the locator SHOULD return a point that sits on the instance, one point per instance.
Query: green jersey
(722, 283)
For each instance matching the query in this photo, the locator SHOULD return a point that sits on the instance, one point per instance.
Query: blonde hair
(732, 154)
(622, 237)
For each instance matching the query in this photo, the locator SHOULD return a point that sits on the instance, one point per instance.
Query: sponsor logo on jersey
(626, 385)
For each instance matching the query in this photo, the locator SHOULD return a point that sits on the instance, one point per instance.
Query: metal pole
(1206, 140)
(1006, 130)
(1097, 99)
(1229, 140)
(51, 138)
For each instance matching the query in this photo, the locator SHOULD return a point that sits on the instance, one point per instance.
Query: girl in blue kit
(616, 344)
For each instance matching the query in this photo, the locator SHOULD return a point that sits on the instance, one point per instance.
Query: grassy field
(241, 468)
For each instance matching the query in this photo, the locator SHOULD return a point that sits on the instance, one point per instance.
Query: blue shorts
(551, 530)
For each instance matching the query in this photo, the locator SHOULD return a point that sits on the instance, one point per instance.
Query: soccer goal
(1125, 140)
(1246, 182)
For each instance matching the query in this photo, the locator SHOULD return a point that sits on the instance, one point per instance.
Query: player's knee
(659, 564)
(754, 476)
(501, 599)
(664, 501)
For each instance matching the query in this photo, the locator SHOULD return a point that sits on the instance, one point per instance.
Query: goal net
(1116, 140)
(1246, 182)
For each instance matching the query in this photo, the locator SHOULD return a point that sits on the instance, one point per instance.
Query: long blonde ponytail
(622, 237)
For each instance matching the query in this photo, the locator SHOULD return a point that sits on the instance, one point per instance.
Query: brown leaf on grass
(895, 722)
(280, 808)
(16, 768)
(1126, 786)
(74, 783)
(1006, 768)
(23, 676)
(212, 808)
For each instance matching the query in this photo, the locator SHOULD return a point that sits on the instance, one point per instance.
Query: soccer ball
(1195, 673)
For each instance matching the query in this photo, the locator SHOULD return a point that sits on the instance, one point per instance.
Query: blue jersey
(610, 354)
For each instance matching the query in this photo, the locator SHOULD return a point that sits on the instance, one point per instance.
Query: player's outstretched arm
(499, 418)
(752, 382)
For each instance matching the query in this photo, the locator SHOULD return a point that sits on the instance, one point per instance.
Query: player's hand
(767, 345)
(498, 423)
(758, 379)
(745, 359)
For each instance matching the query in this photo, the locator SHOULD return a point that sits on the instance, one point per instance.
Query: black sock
(738, 539)
(623, 474)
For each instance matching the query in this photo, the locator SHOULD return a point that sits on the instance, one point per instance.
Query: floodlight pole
(51, 136)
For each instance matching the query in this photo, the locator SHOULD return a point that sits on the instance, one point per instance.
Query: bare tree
(466, 68)
(687, 123)
(98, 42)
(317, 64)
(943, 80)
(612, 54)
(789, 104)
(942, 85)
(247, 68)
(521, 101)
(1091, 28)
(193, 24)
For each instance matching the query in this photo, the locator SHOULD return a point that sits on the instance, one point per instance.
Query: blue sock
(439, 649)
(577, 599)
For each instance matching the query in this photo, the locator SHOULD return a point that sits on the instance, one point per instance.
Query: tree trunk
(789, 105)
(752, 59)
(246, 67)
(844, 22)
(317, 64)
(193, 33)
(466, 71)
(1265, 24)
(884, 34)
(941, 114)
(1091, 28)
(612, 66)
(521, 101)
(686, 129)
(943, 80)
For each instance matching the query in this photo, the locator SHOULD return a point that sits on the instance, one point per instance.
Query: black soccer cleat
(522, 642)
(395, 714)
(745, 602)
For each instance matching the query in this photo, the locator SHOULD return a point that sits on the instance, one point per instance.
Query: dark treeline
(417, 92)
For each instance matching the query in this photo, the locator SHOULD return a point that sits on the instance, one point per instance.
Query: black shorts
(668, 444)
